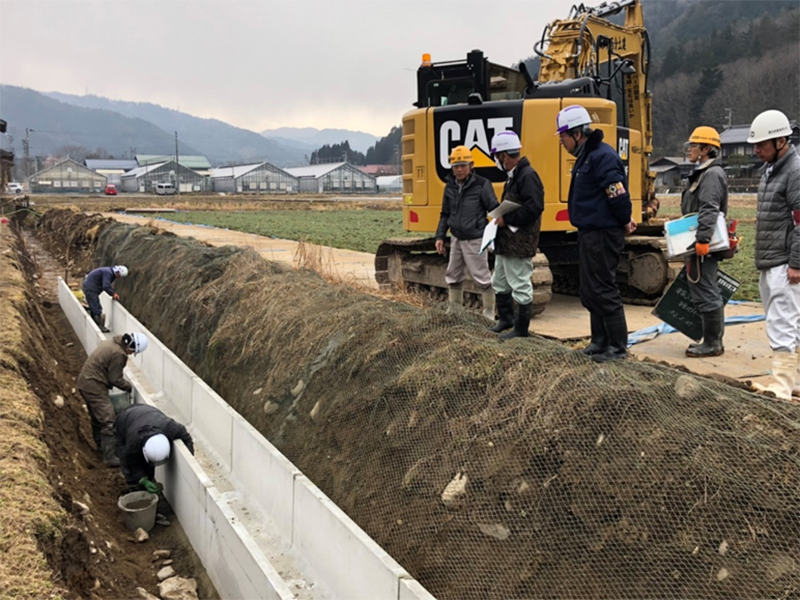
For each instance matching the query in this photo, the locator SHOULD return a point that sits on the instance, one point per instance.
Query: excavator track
(414, 264)
(644, 272)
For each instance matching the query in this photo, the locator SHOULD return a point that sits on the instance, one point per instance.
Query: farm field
(364, 229)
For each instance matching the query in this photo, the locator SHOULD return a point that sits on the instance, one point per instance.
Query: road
(747, 354)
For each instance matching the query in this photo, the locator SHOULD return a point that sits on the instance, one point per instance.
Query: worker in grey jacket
(102, 371)
(468, 198)
(778, 245)
(707, 195)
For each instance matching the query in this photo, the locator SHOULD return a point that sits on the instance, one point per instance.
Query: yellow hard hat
(705, 135)
(460, 155)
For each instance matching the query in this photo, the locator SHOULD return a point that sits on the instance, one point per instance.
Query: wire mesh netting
(487, 469)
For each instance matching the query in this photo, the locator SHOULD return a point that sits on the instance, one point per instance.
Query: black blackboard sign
(677, 309)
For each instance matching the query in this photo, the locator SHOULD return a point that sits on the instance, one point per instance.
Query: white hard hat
(121, 270)
(572, 117)
(138, 342)
(769, 125)
(156, 449)
(505, 141)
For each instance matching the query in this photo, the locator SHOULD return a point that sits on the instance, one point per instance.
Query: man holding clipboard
(517, 236)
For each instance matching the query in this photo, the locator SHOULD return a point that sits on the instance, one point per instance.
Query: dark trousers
(101, 412)
(93, 300)
(706, 296)
(598, 253)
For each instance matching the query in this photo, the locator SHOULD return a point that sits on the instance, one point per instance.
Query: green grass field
(364, 229)
(361, 230)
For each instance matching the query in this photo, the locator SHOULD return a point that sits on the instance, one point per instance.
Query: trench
(485, 470)
(87, 548)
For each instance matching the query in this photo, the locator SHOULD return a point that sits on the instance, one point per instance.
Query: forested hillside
(720, 62)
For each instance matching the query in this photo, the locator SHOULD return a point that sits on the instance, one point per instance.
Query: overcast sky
(260, 64)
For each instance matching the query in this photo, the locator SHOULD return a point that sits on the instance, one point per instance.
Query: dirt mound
(488, 470)
(50, 471)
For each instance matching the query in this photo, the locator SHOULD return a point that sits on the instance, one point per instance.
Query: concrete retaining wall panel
(153, 363)
(266, 474)
(178, 382)
(246, 573)
(185, 485)
(212, 419)
(338, 549)
(73, 311)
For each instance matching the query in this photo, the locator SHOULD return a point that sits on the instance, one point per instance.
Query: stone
(167, 562)
(298, 389)
(257, 392)
(59, 401)
(140, 535)
(145, 595)
(178, 588)
(688, 388)
(158, 554)
(495, 530)
(271, 408)
(453, 494)
(80, 507)
(314, 411)
(165, 573)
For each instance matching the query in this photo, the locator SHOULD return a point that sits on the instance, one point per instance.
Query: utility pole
(177, 167)
(728, 118)
(26, 149)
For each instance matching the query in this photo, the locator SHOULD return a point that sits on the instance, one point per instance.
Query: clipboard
(489, 233)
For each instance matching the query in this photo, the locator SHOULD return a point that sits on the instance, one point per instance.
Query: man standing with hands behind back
(600, 208)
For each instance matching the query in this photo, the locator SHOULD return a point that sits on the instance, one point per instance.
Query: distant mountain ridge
(312, 138)
(220, 142)
(54, 125)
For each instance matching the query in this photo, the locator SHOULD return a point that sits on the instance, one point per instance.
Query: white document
(506, 206)
(488, 235)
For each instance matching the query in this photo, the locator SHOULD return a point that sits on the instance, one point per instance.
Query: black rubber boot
(99, 320)
(713, 330)
(108, 443)
(521, 324)
(505, 312)
(599, 343)
(617, 329)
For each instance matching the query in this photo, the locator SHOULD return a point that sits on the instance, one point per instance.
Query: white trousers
(781, 302)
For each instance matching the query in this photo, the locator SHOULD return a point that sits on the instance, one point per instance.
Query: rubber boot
(784, 370)
(505, 313)
(487, 297)
(713, 330)
(99, 320)
(455, 295)
(617, 330)
(599, 343)
(108, 443)
(521, 324)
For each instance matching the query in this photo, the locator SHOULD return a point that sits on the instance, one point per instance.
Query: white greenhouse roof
(314, 170)
(139, 171)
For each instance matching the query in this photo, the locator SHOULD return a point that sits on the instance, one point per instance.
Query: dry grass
(322, 261)
(27, 506)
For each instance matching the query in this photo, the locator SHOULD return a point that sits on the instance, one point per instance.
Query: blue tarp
(652, 332)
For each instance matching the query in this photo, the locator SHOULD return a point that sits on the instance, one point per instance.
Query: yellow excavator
(584, 59)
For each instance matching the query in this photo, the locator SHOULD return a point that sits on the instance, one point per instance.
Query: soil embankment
(62, 534)
(487, 470)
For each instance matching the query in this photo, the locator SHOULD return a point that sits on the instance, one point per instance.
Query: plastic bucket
(119, 400)
(139, 509)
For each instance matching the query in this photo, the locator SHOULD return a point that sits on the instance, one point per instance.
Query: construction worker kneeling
(101, 372)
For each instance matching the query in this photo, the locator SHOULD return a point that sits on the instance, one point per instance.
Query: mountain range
(92, 124)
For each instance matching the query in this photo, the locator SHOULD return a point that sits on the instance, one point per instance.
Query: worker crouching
(144, 437)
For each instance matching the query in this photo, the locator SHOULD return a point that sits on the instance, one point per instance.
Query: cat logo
(473, 127)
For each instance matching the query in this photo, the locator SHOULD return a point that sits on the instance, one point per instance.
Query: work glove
(701, 249)
(116, 296)
(151, 486)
